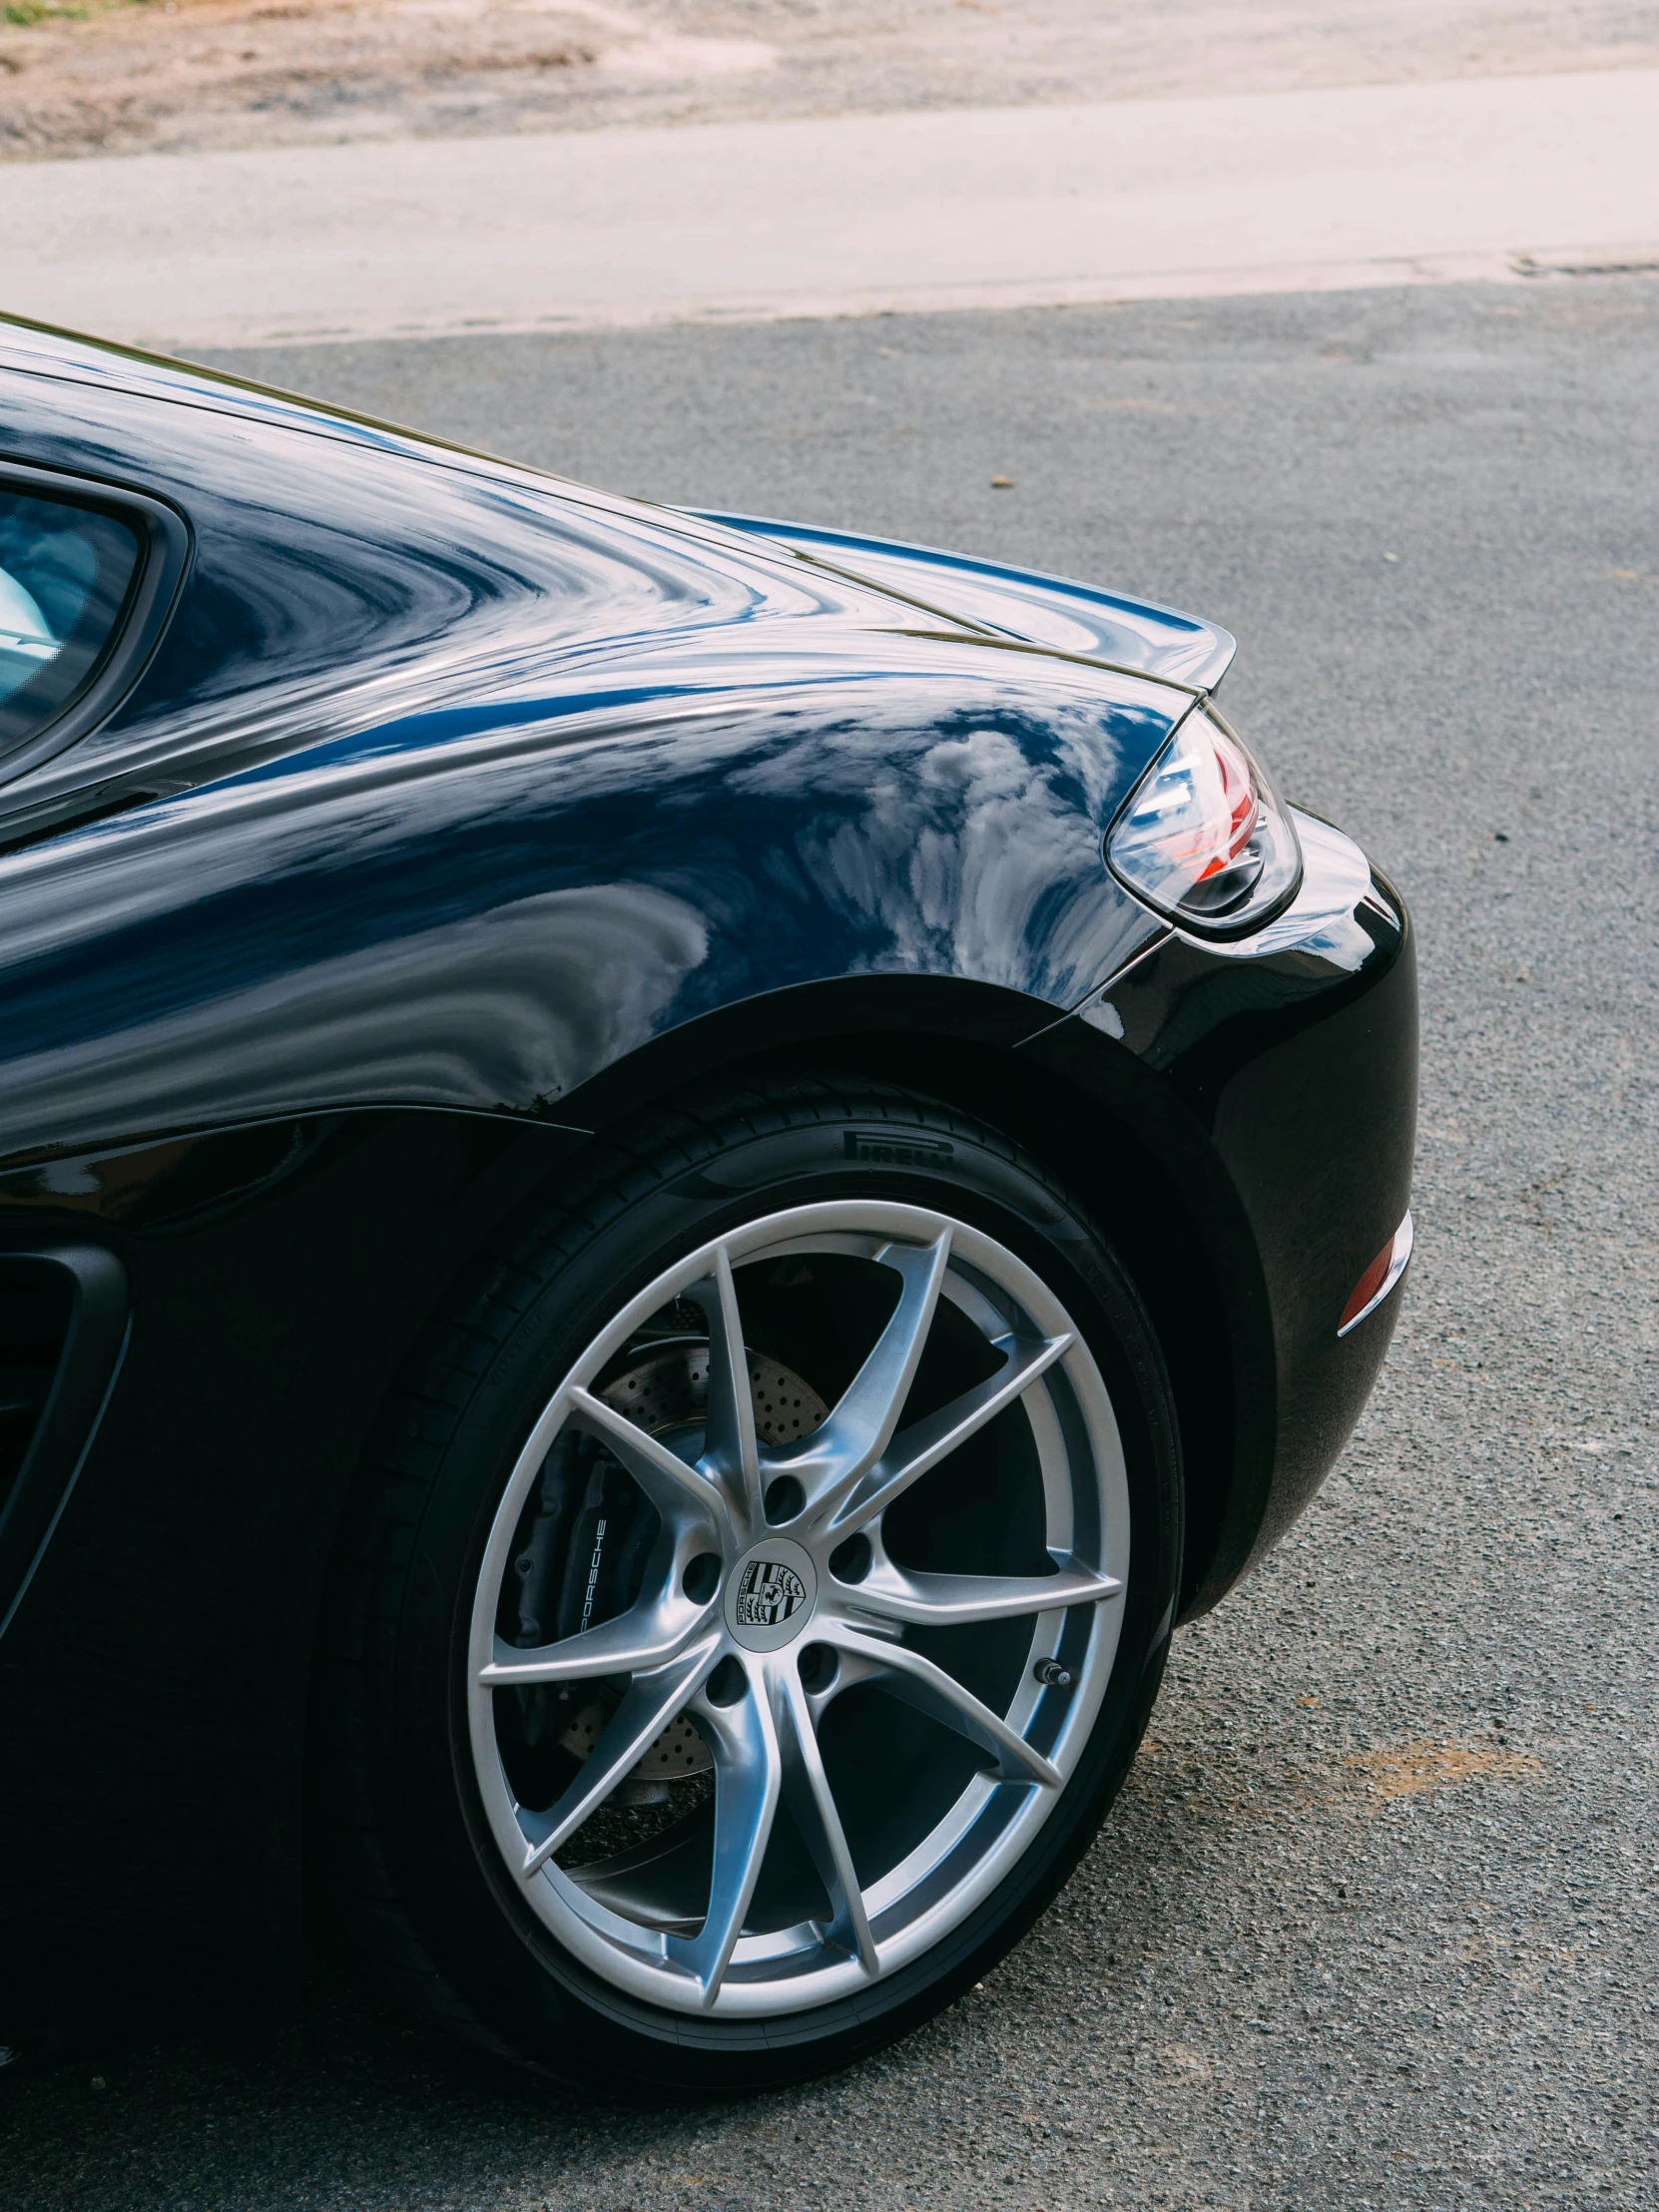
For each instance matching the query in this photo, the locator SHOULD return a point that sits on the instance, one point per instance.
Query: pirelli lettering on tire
(897, 1149)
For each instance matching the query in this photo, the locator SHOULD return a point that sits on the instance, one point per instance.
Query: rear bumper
(1283, 1112)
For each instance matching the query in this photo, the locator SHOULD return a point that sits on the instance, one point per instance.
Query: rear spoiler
(1132, 634)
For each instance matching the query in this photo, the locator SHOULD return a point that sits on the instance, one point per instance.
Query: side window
(65, 574)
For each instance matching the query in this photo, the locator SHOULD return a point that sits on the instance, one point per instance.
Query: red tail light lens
(1378, 1279)
(1204, 838)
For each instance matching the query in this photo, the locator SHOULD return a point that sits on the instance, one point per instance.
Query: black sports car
(669, 1185)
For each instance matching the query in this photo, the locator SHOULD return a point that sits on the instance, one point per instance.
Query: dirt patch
(1288, 1781)
(84, 77)
(1408, 1768)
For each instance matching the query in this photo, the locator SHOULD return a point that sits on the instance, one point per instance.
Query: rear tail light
(1378, 1279)
(1204, 838)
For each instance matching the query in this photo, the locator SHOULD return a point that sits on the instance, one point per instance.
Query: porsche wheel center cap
(771, 1595)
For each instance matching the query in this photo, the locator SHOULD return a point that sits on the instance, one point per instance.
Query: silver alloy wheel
(731, 1657)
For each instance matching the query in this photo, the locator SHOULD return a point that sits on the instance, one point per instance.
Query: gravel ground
(115, 76)
(1374, 1923)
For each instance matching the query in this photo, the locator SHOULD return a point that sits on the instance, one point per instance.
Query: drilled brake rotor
(666, 1389)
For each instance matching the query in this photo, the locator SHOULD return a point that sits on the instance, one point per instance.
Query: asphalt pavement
(1377, 1921)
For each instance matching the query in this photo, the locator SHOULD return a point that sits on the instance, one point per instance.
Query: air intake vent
(63, 1327)
(34, 1327)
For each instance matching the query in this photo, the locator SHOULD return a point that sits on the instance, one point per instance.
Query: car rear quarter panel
(474, 821)
(435, 808)
(1273, 1083)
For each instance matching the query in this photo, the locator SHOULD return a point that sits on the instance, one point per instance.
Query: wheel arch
(1092, 1114)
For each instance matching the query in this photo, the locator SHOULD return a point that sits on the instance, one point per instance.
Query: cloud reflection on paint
(455, 1014)
(496, 780)
(492, 921)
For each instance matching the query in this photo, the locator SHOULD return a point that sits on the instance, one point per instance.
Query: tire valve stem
(1052, 1675)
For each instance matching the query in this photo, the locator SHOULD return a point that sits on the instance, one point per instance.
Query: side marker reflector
(1378, 1279)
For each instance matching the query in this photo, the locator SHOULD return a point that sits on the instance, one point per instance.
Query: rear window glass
(65, 572)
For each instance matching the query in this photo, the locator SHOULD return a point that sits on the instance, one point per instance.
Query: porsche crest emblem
(768, 1593)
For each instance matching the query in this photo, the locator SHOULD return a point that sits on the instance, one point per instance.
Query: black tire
(400, 1843)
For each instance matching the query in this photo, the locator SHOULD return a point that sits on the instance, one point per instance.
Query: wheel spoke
(646, 1636)
(928, 1687)
(732, 1444)
(961, 1600)
(747, 1778)
(678, 1492)
(767, 1935)
(862, 1424)
(814, 1806)
(908, 1455)
(649, 1703)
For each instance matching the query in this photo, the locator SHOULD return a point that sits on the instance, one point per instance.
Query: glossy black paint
(456, 815)
(1272, 1083)
(470, 790)
(1049, 612)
